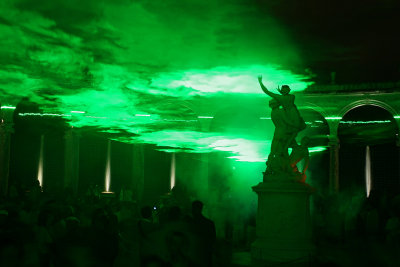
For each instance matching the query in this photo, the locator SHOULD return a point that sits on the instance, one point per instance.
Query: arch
(367, 112)
(356, 140)
(332, 124)
(316, 108)
(364, 102)
(372, 102)
(317, 126)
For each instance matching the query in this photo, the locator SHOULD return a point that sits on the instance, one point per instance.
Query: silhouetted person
(145, 224)
(104, 239)
(204, 230)
(174, 214)
(146, 228)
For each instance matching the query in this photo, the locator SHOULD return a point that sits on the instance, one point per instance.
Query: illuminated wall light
(396, 117)
(142, 115)
(94, 117)
(173, 171)
(365, 122)
(78, 111)
(368, 180)
(205, 117)
(316, 149)
(333, 118)
(107, 181)
(265, 118)
(44, 114)
(7, 107)
(40, 165)
(178, 120)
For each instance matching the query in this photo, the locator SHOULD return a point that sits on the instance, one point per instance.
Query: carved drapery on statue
(288, 123)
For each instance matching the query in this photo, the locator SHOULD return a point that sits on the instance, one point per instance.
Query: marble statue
(300, 152)
(288, 123)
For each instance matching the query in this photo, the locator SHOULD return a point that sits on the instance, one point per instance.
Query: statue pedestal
(283, 223)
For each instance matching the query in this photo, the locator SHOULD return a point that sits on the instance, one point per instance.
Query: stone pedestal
(283, 223)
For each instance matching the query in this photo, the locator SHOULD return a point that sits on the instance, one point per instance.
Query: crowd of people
(353, 215)
(42, 229)
(38, 229)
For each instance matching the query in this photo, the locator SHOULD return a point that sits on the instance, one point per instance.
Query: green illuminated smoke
(105, 64)
(228, 80)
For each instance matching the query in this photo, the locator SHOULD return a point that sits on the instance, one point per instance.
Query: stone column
(204, 175)
(138, 172)
(398, 152)
(6, 128)
(71, 173)
(334, 164)
(283, 226)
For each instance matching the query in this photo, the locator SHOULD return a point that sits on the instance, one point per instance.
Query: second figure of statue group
(288, 123)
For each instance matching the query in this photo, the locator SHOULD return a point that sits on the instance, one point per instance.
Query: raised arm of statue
(265, 90)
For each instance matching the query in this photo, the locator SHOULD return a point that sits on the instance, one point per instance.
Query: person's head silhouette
(197, 208)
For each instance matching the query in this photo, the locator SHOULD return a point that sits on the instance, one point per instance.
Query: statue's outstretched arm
(265, 90)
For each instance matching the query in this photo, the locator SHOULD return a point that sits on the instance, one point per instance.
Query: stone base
(283, 223)
(282, 251)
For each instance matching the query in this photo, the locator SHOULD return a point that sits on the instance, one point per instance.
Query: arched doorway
(372, 128)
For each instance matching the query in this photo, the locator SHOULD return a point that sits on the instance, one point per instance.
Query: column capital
(72, 132)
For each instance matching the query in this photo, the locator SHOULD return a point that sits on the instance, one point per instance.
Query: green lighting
(7, 107)
(333, 118)
(205, 117)
(227, 80)
(94, 117)
(111, 67)
(365, 122)
(43, 114)
(316, 149)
